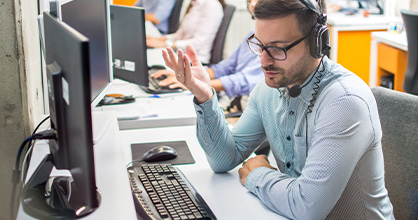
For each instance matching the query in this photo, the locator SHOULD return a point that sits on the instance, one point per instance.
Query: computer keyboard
(154, 86)
(155, 83)
(161, 191)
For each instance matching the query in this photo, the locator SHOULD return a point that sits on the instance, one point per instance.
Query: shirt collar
(306, 93)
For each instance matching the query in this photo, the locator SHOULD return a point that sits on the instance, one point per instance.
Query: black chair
(219, 42)
(174, 20)
(398, 112)
(410, 19)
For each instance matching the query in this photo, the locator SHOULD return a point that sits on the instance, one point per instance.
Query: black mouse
(160, 153)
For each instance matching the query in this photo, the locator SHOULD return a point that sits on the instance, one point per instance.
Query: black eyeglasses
(277, 53)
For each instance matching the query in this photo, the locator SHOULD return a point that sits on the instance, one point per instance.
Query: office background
(22, 96)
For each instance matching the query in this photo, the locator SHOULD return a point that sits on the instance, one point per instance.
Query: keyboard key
(167, 194)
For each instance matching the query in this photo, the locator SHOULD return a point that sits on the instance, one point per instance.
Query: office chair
(410, 19)
(174, 20)
(219, 42)
(398, 113)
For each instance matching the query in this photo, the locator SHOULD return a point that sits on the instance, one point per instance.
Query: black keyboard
(155, 83)
(154, 86)
(161, 191)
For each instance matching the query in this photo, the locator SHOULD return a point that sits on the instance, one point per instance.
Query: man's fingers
(167, 59)
(172, 57)
(187, 69)
(193, 56)
(180, 66)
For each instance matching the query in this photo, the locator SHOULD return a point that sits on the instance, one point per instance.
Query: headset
(319, 45)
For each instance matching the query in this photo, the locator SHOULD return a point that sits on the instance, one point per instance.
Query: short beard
(298, 76)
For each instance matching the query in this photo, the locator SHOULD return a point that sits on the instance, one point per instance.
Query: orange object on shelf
(124, 2)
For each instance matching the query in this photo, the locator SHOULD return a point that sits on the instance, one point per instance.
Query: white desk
(170, 110)
(392, 39)
(225, 195)
(111, 175)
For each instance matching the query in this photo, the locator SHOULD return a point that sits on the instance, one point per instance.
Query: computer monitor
(410, 19)
(68, 72)
(91, 18)
(129, 48)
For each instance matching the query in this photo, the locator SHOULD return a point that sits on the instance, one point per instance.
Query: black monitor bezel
(129, 44)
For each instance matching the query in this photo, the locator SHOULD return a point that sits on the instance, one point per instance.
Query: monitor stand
(46, 197)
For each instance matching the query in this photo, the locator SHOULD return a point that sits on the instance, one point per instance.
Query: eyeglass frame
(265, 48)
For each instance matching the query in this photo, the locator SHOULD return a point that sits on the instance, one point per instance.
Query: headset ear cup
(315, 45)
(320, 41)
(325, 45)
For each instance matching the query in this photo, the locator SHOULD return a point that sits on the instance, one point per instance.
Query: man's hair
(270, 9)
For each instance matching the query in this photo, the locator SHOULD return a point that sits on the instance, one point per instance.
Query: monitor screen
(68, 73)
(91, 18)
(129, 49)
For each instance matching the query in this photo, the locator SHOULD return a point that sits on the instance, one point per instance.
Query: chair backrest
(398, 113)
(410, 19)
(174, 20)
(219, 42)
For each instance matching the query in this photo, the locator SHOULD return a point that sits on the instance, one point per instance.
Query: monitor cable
(47, 134)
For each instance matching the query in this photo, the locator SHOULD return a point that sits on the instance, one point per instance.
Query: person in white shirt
(198, 29)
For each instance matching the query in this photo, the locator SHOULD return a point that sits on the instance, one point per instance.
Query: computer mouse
(160, 153)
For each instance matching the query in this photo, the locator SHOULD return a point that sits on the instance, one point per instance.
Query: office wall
(414, 5)
(20, 89)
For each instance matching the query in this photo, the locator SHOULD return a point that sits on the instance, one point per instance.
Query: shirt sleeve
(226, 149)
(163, 10)
(244, 80)
(343, 133)
(226, 66)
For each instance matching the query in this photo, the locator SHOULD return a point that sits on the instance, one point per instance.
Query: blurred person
(198, 28)
(236, 76)
(158, 12)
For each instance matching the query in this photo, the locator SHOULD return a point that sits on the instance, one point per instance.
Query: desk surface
(111, 175)
(224, 193)
(393, 39)
(169, 110)
(340, 19)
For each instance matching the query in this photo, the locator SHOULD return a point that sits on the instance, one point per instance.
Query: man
(237, 75)
(326, 140)
(158, 12)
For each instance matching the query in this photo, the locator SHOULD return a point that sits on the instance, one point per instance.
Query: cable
(15, 176)
(33, 133)
(48, 134)
(24, 170)
(313, 99)
(133, 161)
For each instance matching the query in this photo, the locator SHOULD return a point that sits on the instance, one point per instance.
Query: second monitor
(129, 49)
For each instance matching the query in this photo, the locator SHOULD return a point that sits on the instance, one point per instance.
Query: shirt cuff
(258, 174)
(206, 109)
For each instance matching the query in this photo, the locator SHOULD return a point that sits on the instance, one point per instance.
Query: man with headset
(320, 119)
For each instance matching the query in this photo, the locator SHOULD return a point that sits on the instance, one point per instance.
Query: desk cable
(16, 175)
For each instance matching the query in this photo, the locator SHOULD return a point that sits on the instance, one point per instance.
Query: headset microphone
(295, 90)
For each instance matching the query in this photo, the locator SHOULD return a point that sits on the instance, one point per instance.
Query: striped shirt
(337, 174)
